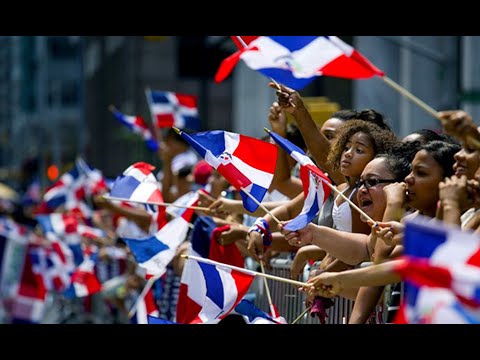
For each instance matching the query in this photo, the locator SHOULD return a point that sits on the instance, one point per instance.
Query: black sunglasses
(368, 183)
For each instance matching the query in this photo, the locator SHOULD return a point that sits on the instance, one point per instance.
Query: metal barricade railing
(291, 302)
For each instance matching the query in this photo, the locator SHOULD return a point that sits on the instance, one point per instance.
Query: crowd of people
(379, 182)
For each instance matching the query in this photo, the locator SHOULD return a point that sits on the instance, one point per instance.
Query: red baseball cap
(201, 172)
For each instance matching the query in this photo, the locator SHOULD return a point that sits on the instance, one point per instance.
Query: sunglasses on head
(368, 183)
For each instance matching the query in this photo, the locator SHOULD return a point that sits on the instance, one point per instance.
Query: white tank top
(342, 215)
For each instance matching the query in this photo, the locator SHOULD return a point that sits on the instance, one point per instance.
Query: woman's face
(357, 154)
(466, 162)
(422, 183)
(371, 199)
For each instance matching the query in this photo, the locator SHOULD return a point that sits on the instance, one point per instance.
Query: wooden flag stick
(334, 188)
(261, 205)
(145, 289)
(267, 290)
(246, 271)
(157, 203)
(423, 105)
(301, 315)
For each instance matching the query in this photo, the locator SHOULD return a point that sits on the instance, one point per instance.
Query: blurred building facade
(40, 106)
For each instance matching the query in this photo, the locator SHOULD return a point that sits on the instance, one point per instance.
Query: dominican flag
(314, 181)
(73, 187)
(53, 265)
(155, 253)
(212, 291)
(138, 126)
(244, 161)
(208, 294)
(173, 109)
(84, 279)
(442, 274)
(296, 60)
(28, 304)
(137, 184)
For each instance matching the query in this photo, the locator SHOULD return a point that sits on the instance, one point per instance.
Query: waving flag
(296, 60)
(442, 273)
(154, 253)
(244, 161)
(314, 181)
(137, 184)
(73, 187)
(215, 292)
(29, 303)
(53, 265)
(84, 279)
(138, 126)
(207, 292)
(173, 109)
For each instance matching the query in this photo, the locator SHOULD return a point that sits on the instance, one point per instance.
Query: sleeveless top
(325, 215)
(342, 215)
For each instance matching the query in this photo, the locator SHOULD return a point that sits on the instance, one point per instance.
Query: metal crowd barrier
(291, 303)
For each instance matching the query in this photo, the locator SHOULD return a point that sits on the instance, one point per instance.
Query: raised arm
(317, 143)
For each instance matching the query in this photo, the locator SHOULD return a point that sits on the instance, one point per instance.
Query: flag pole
(250, 272)
(267, 290)
(423, 105)
(334, 188)
(301, 315)
(260, 204)
(145, 289)
(156, 131)
(157, 203)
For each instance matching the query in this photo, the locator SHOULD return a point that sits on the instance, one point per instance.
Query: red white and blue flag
(173, 109)
(314, 183)
(72, 189)
(296, 60)
(155, 253)
(84, 279)
(208, 292)
(442, 274)
(137, 184)
(53, 265)
(137, 125)
(244, 161)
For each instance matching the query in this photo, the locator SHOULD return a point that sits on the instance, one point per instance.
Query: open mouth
(460, 170)
(365, 203)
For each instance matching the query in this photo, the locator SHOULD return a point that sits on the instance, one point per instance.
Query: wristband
(261, 226)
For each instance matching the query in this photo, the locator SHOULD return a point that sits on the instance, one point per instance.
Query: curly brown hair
(383, 140)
